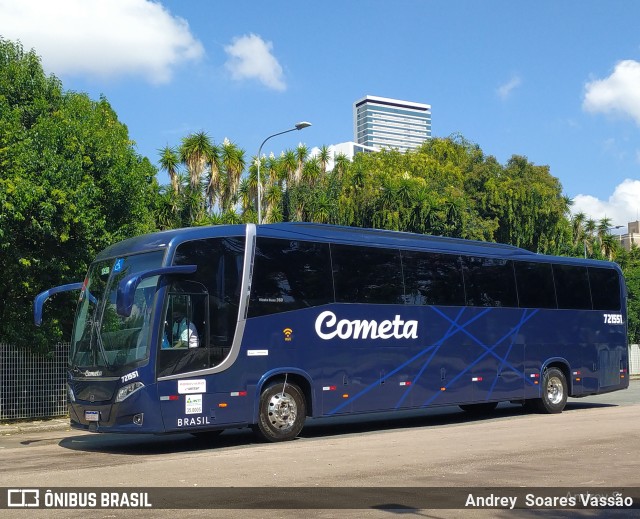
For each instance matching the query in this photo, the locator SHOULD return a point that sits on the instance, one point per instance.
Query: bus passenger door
(184, 348)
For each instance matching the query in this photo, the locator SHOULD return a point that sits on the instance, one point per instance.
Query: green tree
(71, 183)
(630, 263)
(232, 163)
(170, 162)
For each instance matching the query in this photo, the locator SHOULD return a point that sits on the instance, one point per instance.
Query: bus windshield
(103, 340)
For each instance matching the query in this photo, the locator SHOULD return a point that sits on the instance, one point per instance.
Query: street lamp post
(297, 126)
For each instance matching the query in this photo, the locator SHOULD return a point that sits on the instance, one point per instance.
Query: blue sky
(556, 81)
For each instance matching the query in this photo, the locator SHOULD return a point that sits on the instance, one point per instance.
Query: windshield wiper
(96, 329)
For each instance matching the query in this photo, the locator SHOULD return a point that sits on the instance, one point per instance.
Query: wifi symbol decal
(287, 334)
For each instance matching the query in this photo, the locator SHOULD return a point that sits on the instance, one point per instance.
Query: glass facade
(390, 123)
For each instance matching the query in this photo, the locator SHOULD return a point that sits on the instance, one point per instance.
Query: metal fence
(634, 359)
(32, 386)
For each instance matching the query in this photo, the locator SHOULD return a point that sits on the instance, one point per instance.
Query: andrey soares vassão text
(578, 500)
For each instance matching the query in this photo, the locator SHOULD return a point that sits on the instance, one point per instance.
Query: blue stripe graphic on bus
(489, 350)
(454, 329)
(433, 353)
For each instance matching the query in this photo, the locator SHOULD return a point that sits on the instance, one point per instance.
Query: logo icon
(23, 498)
(287, 334)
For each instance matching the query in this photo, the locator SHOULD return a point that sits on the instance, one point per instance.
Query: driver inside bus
(183, 333)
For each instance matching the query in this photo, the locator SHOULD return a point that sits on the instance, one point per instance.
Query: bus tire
(482, 408)
(282, 413)
(554, 392)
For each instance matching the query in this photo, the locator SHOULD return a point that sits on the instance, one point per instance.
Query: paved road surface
(594, 443)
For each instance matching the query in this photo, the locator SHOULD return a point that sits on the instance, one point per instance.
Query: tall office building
(380, 122)
(632, 237)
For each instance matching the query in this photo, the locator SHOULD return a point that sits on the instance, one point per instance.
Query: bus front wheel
(282, 412)
(554, 392)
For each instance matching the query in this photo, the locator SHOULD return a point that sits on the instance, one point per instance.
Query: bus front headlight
(70, 395)
(128, 390)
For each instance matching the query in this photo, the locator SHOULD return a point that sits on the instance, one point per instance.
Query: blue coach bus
(203, 329)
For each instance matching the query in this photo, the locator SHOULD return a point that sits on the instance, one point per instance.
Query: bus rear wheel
(554, 392)
(282, 412)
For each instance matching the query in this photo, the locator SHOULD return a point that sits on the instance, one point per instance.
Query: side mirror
(127, 287)
(40, 299)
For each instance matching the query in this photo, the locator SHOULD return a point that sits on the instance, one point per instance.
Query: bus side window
(184, 334)
(572, 287)
(605, 288)
(181, 326)
(432, 279)
(489, 282)
(535, 285)
(289, 275)
(219, 262)
(367, 275)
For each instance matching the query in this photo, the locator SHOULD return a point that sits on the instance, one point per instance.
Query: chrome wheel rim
(282, 410)
(555, 390)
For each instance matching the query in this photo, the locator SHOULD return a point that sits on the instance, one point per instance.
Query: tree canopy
(71, 183)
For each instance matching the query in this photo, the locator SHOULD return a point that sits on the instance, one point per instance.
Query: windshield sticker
(193, 404)
(104, 271)
(118, 265)
(186, 387)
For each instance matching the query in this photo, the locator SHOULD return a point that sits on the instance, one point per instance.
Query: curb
(56, 424)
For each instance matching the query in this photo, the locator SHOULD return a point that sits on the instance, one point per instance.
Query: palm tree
(169, 162)
(167, 212)
(273, 166)
(577, 227)
(324, 156)
(272, 199)
(589, 236)
(609, 246)
(289, 164)
(340, 164)
(321, 208)
(195, 151)
(301, 156)
(214, 183)
(311, 171)
(232, 164)
(245, 196)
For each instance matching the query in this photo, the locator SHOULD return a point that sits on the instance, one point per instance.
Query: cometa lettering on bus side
(328, 327)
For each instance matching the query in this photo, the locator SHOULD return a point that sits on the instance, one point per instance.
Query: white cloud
(250, 57)
(104, 38)
(617, 94)
(504, 91)
(621, 207)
